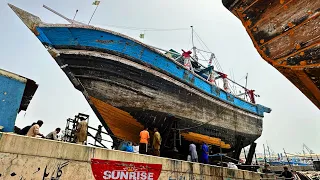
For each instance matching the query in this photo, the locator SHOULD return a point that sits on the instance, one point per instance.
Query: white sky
(293, 121)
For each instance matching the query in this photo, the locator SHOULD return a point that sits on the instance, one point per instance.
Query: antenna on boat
(287, 158)
(75, 15)
(264, 154)
(62, 16)
(193, 47)
(270, 159)
(245, 94)
(96, 3)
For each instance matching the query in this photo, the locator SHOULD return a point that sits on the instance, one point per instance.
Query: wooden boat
(286, 33)
(130, 85)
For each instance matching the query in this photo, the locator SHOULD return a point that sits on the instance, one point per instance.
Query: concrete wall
(295, 168)
(31, 158)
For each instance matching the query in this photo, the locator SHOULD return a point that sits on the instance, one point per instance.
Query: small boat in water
(129, 85)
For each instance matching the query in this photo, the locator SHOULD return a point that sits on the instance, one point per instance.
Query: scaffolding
(71, 127)
(69, 134)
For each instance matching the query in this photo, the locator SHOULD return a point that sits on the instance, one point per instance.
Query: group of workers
(204, 152)
(142, 148)
(33, 130)
(144, 141)
(156, 144)
(285, 173)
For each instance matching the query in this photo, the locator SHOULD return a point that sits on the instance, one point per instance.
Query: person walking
(82, 130)
(204, 153)
(98, 137)
(54, 134)
(144, 139)
(34, 130)
(156, 143)
(193, 153)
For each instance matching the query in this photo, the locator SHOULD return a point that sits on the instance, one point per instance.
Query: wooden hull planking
(286, 33)
(128, 97)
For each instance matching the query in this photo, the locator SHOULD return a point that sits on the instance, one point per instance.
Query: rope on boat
(215, 60)
(144, 29)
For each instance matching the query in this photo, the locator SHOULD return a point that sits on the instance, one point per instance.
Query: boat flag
(141, 36)
(96, 3)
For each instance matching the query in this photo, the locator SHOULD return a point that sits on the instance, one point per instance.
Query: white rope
(215, 59)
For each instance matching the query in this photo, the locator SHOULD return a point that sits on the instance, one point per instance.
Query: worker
(25, 130)
(144, 139)
(82, 130)
(193, 153)
(126, 146)
(54, 134)
(156, 143)
(204, 153)
(135, 148)
(34, 130)
(129, 147)
(267, 168)
(98, 137)
(286, 173)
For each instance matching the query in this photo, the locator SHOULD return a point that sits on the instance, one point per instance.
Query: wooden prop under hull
(286, 33)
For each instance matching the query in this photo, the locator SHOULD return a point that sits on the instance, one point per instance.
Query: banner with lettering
(120, 170)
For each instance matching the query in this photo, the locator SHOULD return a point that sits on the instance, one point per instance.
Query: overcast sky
(294, 120)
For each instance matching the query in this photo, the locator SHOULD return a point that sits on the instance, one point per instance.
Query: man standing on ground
(82, 129)
(193, 152)
(156, 143)
(34, 130)
(144, 139)
(204, 153)
(54, 134)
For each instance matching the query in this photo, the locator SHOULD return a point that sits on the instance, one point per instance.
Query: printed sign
(106, 169)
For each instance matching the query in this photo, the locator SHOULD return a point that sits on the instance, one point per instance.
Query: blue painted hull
(16, 93)
(11, 92)
(80, 38)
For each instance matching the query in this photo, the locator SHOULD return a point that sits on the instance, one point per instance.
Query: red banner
(106, 169)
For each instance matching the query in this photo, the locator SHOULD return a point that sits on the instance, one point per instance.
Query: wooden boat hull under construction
(130, 85)
(286, 33)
